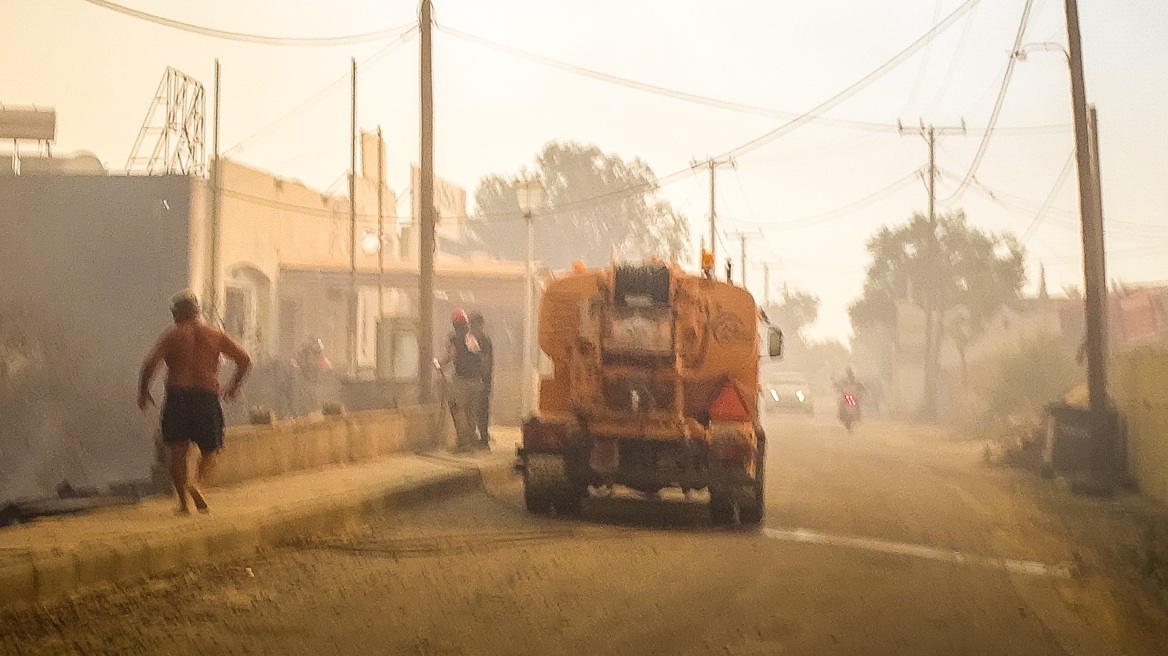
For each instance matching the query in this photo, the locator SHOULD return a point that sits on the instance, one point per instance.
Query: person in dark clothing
(483, 416)
(466, 385)
(191, 413)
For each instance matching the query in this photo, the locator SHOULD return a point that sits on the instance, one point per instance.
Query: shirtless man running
(191, 412)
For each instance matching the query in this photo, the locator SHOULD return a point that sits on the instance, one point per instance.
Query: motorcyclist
(849, 385)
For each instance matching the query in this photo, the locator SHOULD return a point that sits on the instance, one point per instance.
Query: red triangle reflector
(728, 405)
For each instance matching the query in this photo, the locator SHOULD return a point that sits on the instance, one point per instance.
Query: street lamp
(370, 244)
(529, 193)
(1021, 54)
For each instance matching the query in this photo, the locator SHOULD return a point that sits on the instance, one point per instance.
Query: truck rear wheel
(721, 508)
(750, 514)
(537, 504)
(569, 503)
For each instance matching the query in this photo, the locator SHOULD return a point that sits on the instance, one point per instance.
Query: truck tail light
(731, 440)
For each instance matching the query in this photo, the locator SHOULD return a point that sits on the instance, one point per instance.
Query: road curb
(44, 578)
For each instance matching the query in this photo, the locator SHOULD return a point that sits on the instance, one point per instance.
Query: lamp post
(529, 193)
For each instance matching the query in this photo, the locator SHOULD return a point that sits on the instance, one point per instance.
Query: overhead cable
(331, 88)
(699, 99)
(916, 87)
(1049, 202)
(786, 127)
(840, 212)
(655, 89)
(348, 39)
(855, 88)
(985, 139)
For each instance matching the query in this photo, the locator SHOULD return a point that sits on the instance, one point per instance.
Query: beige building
(285, 273)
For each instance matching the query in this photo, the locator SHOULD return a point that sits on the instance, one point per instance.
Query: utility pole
(712, 164)
(1098, 261)
(766, 284)
(353, 305)
(1094, 258)
(216, 196)
(380, 226)
(425, 192)
(932, 321)
(742, 237)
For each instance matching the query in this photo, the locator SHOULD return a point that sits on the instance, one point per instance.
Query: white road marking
(1033, 568)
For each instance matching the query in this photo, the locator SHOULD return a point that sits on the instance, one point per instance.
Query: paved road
(892, 541)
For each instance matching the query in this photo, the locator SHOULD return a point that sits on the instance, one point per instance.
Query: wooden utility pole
(380, 226)
(932, 320)
(766, 284)
(216, 201)
(1094, 257)
(742, 237)
(353, 305)
(1099, 262)
(425, 193)
(712, 164)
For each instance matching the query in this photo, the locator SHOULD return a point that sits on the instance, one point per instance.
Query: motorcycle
(849, 410)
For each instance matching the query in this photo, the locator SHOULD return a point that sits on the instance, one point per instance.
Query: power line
(912, 96)
(333, 147)
(966, 28)
(699, 99)
(803, 118)
(985, 140)
(266, 40)
(840, 212)
(1069, 220)
(855, 88)
(650, 88)
(403, 38)
(1046, 204)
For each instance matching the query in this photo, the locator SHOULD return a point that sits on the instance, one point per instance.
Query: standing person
(483, 416)
(466, 385)
(191, 412)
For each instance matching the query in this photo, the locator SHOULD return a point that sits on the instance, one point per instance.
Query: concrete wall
(259, 451)
(89, 263)
(1139, 381)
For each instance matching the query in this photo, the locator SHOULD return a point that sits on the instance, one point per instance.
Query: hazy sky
(494, 111)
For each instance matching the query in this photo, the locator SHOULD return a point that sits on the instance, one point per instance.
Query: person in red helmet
(464, 355)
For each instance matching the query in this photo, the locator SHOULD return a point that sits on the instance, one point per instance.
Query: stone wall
(273, 449)
(1140, 379)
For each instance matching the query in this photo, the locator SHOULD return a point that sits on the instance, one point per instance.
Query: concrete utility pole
(932, 321)
(353, 305)
(425, 193)
(1094, 257)
(712, 164)
(216, 196)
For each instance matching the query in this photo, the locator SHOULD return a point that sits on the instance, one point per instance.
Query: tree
(949, 270)
(797, 310)
(594, 205)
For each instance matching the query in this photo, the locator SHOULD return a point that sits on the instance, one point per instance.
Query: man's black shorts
(193, 415)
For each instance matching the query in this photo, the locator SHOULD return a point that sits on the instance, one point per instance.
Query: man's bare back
(192, 413)
(191, 351)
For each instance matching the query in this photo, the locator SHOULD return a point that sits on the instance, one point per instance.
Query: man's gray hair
(185, 302)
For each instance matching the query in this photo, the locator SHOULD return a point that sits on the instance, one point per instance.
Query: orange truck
(655, 385)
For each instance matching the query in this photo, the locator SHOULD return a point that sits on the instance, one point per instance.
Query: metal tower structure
(176, 127)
